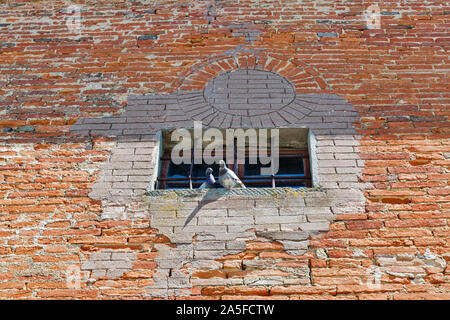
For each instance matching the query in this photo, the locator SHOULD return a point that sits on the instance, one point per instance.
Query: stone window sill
(249, 193)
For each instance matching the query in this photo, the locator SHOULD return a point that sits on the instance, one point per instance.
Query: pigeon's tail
(239, 184)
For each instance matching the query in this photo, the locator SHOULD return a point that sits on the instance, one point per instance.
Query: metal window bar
(191, 168)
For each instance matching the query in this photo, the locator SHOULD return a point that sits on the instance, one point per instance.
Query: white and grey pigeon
(227, 178)
(210, 181)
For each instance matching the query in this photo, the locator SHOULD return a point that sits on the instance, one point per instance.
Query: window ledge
(250, 193)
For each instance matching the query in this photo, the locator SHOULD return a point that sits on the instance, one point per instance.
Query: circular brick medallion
(247, 92)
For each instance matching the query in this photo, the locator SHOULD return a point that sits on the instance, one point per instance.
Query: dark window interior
(293, 172)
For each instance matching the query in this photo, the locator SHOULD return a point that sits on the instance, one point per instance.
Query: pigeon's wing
(209, 183)
(226, 181)
(211, 179)
(240, 184)
(232, 175)
(235, 178)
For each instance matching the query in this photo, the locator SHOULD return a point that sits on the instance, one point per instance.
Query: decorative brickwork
(235, 92)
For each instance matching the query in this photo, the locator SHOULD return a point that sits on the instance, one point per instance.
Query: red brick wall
(395, 76)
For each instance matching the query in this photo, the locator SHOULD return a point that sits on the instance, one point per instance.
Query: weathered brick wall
(79, 112)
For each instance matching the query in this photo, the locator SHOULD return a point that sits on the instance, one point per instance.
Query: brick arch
(305, 78)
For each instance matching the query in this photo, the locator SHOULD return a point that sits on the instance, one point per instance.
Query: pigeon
(210, 181)
(227, 178)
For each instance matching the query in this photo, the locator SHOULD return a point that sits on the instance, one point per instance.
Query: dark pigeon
(210, 181)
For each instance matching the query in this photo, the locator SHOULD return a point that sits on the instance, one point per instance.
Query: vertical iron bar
(235, 155)
(191, 169)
